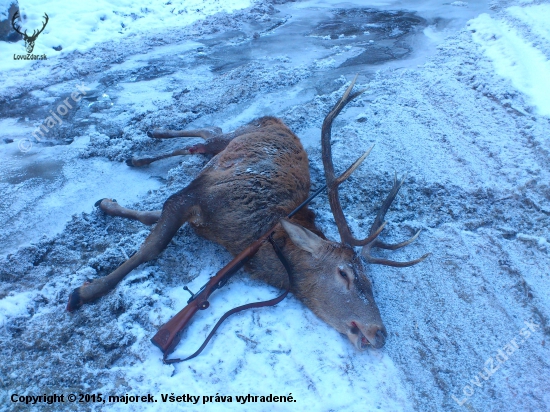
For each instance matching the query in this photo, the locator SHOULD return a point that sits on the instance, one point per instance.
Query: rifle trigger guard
(204, 305)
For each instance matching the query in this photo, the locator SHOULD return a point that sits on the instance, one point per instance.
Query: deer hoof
(74, 301)
(98, 203)
(139, 162)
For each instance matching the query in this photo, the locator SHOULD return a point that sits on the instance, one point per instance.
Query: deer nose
(381, 335)
(376, 334)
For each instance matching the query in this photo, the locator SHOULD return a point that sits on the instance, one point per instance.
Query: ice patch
(35, 210)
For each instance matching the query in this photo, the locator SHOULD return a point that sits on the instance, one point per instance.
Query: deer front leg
(176, 211)
(112, 208)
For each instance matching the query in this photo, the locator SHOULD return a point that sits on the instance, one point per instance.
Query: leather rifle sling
(270, 302)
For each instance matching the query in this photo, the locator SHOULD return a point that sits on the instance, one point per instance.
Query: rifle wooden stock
(169, 335)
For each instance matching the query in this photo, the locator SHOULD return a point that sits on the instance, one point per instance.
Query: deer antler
(332, 181)
(377, 225)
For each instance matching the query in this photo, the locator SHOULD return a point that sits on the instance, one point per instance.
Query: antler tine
(332, 181)
(376, 228)
(396, 246)
(387, 203)
(344, 176)
(371, 259)
(35, 32)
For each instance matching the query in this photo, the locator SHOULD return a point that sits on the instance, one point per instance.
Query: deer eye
(346, 278)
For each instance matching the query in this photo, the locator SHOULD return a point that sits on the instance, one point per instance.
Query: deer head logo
(29, 40)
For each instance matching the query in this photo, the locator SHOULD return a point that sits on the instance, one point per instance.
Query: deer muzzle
(363, 336)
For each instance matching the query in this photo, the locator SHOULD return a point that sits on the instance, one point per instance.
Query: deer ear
(303, 238)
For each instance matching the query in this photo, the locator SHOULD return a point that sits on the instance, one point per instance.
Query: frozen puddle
(42, 189)
(350, 34)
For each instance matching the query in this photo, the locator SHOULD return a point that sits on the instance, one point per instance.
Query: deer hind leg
(175, 212)
(214, 142)
(206, 133)
(112, 208)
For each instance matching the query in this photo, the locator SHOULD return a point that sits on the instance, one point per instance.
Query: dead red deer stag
(259, 174)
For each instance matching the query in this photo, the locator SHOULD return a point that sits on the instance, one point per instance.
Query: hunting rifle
(169, 334)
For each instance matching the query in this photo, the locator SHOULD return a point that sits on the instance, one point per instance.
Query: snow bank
(519, 52)
(81, 25)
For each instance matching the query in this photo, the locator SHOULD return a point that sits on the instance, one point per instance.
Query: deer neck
(266, 266)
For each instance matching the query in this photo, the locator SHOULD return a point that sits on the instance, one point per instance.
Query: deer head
(335, 286)
(29, 40)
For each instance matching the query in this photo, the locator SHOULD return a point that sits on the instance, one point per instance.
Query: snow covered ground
(458, 98)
